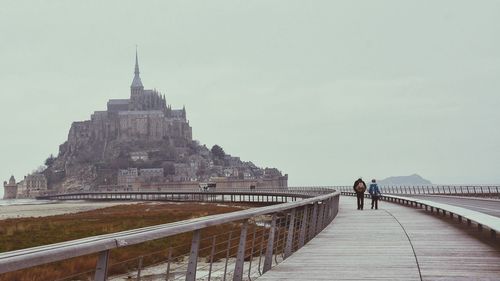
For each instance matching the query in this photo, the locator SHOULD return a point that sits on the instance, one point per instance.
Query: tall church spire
(136, 83)
(136, 72)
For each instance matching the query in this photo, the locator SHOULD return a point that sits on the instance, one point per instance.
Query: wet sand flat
(56, 208)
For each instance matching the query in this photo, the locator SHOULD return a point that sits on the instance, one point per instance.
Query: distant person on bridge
(375, 193)
(360, 188)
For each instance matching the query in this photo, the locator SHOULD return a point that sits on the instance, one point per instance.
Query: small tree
(50, 160)
(168, 169)
(218, 152)
(202, 169)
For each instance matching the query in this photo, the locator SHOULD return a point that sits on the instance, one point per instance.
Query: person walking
(375, 193)
(360, 188)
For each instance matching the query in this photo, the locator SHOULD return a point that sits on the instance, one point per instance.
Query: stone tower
(10, 189)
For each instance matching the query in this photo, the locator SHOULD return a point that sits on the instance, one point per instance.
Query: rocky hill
(142, 142)
(405, 180)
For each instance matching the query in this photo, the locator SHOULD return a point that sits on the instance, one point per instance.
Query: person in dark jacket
(375, 193)
(360, 188)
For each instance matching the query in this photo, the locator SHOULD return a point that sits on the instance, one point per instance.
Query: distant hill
(404, 180)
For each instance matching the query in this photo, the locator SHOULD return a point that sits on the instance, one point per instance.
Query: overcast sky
(326, 91)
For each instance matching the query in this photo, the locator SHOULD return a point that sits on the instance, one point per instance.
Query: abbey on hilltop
(145, 116)
(139, 143)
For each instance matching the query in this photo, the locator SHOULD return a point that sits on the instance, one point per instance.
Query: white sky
(326, 91)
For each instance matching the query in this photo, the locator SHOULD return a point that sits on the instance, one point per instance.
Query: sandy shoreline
(56, 208)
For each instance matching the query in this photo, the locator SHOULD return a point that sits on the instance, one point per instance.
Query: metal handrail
(300, 192)
(464, 190)
(323, 210)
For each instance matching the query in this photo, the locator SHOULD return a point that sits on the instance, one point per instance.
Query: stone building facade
(128, 178)
(134, 178)
(31, 186)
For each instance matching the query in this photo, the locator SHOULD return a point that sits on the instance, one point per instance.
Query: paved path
(372, 245)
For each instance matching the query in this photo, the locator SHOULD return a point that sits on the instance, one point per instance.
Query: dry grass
(31, 232)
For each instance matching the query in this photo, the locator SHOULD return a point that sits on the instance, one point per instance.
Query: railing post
(331, 209)
(270, 245)
(228, 252)
(337, 204)
(139, 269)
(302, 234)
(193, 256)
(169, 261)
(251, 253)
(289, 238)
(101, 270)
(260, 253)
(278, 240)
(212, 252)
(240, 257)
(319, 224)
(312, 225)
(326, 213)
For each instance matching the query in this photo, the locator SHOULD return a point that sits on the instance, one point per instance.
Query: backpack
(360, 187)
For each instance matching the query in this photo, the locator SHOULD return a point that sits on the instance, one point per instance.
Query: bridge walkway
(380, 245)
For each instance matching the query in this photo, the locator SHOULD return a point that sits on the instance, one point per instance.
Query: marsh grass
(30, 232)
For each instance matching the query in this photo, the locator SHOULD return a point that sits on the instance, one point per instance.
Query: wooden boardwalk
(375, 245)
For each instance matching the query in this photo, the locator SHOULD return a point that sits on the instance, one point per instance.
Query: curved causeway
(392, 243)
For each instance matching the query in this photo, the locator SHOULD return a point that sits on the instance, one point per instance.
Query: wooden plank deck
(372, 245)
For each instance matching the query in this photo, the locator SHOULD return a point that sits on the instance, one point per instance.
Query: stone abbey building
(144, 116)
